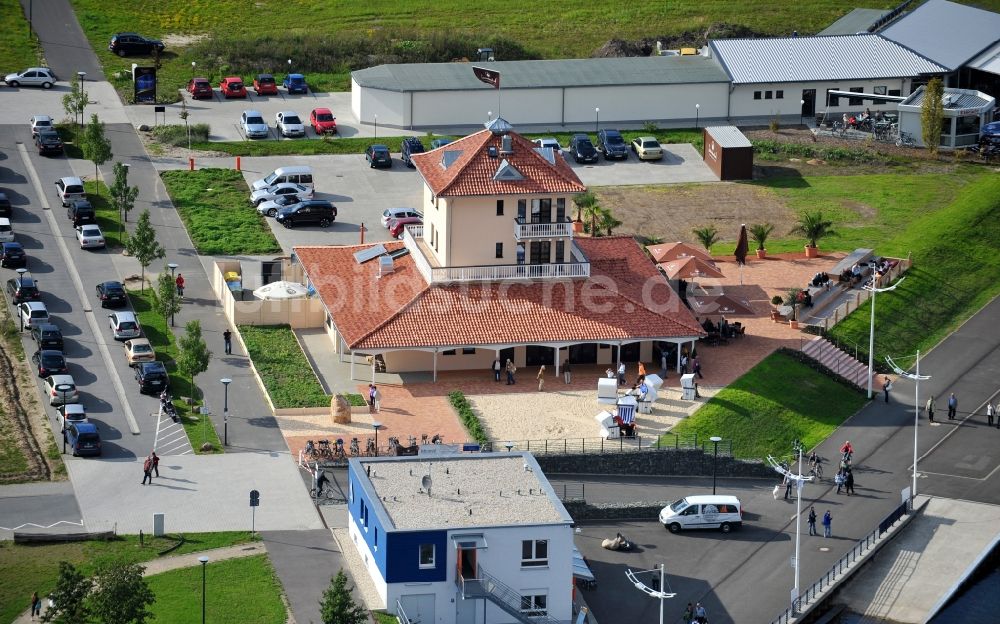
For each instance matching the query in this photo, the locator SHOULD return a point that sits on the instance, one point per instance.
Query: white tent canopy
(281, 290)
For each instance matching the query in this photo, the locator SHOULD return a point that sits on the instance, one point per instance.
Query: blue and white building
(463, 539)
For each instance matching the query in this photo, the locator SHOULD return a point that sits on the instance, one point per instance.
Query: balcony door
(541, 211)
(541, 252)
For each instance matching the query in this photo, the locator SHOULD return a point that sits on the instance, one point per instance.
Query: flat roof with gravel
(497, 489)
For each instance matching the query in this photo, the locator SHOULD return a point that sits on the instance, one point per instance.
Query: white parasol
(281, 290)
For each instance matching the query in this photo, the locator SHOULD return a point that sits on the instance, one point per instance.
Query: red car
(323, 121)
(397, 225)
(199, 88)
(232, 87)
(264, 84)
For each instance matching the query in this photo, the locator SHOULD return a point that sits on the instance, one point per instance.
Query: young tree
(69, 598)
(337, 606)
(143, 246)
(583, 201)
(165, 301)
(121, 193)
(608, 222)
(121, 595)
(813, 226)
(75, 102)
(708, 236)
(932, 115)
(592, 211)
(194, 354)
(96, 147)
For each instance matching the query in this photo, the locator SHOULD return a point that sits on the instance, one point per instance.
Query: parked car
(298, 174)
(47, 336)
(5, 208)
(81, 212)
(548, 142)
(295, 83)
(152, 377)
(232, 87)
(309, 212)
(70, 189)
(647, 148)
(253, 125)
(323, 121)
(378, 155)
(84, 439)
(40, 122)
(32, 77)
(200, 88)
(127, 43)
(703, 512)
(289, 124)
(71, 414)
(12, 256)
(6, 231)
(49, 362)
(436, 143)
(271, 208)
(396, 227)
(48, 141)
(124, 325)
(61, 389)
(139, 350)
(582, 149)
(265, 84)
(22, 288)
(278, 190)
(112, 294)
(32, 313)
(411, 146)
(611, 144)
(90, 236)
(398, 213)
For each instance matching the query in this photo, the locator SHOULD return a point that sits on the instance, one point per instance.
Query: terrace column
(678, 357)
(556, 349)
(435, 377)
(352, 365)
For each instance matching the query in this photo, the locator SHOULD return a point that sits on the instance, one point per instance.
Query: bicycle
(325, 450)
(905, 139)
(817, 470)
(310, 452)
(339, 451)
(370, 448)
(355, 451)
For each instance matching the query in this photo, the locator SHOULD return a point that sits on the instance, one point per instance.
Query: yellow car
(647, 148)
(139, 350)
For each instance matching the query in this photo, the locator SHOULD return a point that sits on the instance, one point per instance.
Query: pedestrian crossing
(171, 439)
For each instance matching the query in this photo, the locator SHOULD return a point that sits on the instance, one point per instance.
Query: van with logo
(703, 512)
(301, 175)
(6, 231)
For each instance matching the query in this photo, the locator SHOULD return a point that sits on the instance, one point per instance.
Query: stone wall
(662, 462)
(581, 510)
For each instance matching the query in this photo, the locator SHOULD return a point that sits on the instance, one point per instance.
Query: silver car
(61, 389)
(90, 236)
(269, 193)
(124, 325)
(253, 125)
(32, 77)
(290, 124)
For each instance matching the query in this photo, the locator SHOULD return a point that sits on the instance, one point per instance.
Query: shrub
(354, 399)
(468, 417)
(177, 135)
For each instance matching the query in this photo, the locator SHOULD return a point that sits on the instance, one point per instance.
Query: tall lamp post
(917, 378)
(715, 461)
(204, 560)
(376, 125)
(799, 480)
(802, 104)
(697, 114)
(80, 75)
(597, 119)
(375, 425)
(193, 65)
(873, 289)
(173, 292)
(225, 411)
(655, 593)
(20, 278)
(64, 388)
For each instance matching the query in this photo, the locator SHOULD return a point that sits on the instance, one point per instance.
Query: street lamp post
(204, 560)
(802, 104)
(655, 593)
(376, 125)
(873, 288)
(375, 425)
(489, 116)
(173, 292)
(193, 65)
(715, 461)
(697, 114)
(799, 480)
(64, 388)
(916, 377)
(597, 119)
(80, 75)
(225, 411)
(20, 278)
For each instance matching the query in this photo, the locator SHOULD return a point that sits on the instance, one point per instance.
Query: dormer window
(507, 173)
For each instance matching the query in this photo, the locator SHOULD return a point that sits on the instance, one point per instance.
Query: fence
(843, 565)
(581, 446)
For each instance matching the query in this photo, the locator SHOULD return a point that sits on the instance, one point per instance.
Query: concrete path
(305, 561)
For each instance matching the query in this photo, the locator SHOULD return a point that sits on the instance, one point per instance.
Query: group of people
(820, 279)
(150, 466)
(509, 368)
(827, 523)
(695, 614)
(953, 408)
(723, 328)
(845, 475)
(852, 275)
(374, 399)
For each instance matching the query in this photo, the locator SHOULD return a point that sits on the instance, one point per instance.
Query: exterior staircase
(827, 354)
(488, 587)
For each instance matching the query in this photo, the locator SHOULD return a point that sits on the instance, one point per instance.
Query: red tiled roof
(626, 298)
(472, 171)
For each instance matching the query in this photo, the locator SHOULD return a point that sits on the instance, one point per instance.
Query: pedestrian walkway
(305, 561)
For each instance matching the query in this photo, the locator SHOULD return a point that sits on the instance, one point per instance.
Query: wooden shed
(728, 153)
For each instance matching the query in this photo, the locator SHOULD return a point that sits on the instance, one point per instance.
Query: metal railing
(578, 446)
(570, 491)
(410, 235)
(840, 312)
(401, 616)
(524, 229)
(832, 575)
(499, 593)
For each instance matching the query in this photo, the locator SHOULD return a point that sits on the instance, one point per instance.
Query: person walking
(497, 366)
(663, 364)
(696, 364)
(567, 372)
(621, 374)
(688, 614)
(156, 464)
(886, 386)
(849, 482)
(952, 406)
(36, 605)
(788, 487)
(699, 613)
(511, 369)
(227, 339)
(371, 398)
(990, 412)
(147, 470)
(180, 285)
(930, 408)
(684, 363)
(541, 377)
(377, 399)
(839, 480)
(827, 524)
(812, 521)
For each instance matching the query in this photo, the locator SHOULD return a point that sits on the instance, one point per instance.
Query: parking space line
(171, 437)
(959, 426)
(74, 274)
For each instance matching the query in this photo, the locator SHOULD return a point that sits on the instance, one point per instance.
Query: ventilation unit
(506, 145)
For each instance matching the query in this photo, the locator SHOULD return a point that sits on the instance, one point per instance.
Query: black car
(5, 207)
(378, 156)
(81, 212)
(48, 336)
(50, 362)
(22, 289)
(12, 256)
(612, 145)
(126, 43)
(582, 149)
(152, 377)
(411, 145)
(309, 212)
(111, 294)
(48, 142)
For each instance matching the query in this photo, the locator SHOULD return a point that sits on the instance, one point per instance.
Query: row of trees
(599, 219)
(812, 225)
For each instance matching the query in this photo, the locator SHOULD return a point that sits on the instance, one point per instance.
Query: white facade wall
(392, 107)
(369, 560)
(743, 104)
(641, 103)
(468, 108)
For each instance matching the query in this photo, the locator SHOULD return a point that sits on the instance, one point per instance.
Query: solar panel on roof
(365, 255)
(398, 253)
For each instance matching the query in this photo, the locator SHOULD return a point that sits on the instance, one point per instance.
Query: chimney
(506, 145)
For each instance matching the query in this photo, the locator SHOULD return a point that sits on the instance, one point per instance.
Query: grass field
(219, 219)
(28, 568)
(17, 51)
(199, 429)
(12, 459)
(237, 591)
(287, 375)
(774, 403)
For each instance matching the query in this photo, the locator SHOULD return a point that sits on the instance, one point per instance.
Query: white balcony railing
(410, 235)
(525, 230)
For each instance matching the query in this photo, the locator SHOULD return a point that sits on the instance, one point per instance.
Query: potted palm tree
(759, 232)
(708, 236)
(793, 300)
(813, 227)
(584, 201)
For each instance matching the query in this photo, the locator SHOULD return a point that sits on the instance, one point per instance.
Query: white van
(703, 512)
(301, 175)
(6, 231)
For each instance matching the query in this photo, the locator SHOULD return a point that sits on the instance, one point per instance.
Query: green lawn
(956, 271)
(17, 51)
(774, 403)
(287, 375)
(28, 568)
(12, 459)
(199, 428)
(237, 591)
(219, 218)
(107, 215)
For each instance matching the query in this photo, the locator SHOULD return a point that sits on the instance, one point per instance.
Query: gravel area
(363, 584)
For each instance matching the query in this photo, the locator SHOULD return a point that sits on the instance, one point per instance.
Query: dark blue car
(83, 439)
(295, 83)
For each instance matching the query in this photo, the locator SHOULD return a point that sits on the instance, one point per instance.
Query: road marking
(959, 423)
(172, 438)
(99, 338)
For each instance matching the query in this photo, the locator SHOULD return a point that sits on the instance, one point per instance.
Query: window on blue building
(427, 556)
(534, 605)
(534, 553)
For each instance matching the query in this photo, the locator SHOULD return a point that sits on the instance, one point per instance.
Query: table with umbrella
(282, 290)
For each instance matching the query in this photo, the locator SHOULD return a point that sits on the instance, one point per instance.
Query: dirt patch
(177, 40)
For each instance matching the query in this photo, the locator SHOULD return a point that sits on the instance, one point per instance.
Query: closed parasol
(689, 267)
(281, 290)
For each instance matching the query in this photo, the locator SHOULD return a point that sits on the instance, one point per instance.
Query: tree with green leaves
(95, 146)
(193, 356)
(583, 201)
(143, 246)
(813, 226)
(932, 115)
(69, 598)
(120, 594)
(607, 221)
(165, 300)
(122, 195)
(338, 606)
(760, 232)
(75, 102)
(707, 235)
